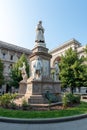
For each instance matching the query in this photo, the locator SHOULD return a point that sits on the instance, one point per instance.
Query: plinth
(22, 87)
(37, 90)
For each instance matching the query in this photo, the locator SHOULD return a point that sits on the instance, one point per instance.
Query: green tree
(1, 73)
(15, 74)
(71, 69)
(78, 68)
(85, 76)
(85, 67)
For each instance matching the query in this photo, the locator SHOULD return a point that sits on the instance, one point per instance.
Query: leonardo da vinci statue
(39, 33)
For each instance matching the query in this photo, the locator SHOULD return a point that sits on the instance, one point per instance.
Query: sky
(61, 19)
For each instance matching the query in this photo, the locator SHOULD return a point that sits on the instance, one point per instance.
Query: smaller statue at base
(23, 72)
(56, 71)
(37, 69)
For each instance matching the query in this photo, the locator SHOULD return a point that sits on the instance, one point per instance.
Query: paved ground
(71, 125)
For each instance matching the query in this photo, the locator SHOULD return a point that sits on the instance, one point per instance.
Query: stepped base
(38, 89)
(37, 99)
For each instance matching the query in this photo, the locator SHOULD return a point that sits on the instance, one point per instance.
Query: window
(4, 55)
(10, 65)
(9, 68)
(11, 57)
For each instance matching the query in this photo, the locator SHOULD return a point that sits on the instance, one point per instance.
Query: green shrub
(13, 105)
(73, 98)
(6, 99)
(70, 99)
(25, 104)
(65, 101)
(77, 98)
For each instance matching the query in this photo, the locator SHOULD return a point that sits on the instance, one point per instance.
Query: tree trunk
(79, 89)
(72, 90)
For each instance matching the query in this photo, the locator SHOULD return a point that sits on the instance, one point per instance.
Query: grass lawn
(80, 109)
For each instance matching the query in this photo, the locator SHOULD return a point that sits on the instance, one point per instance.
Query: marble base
(22, 88)
(37, 90)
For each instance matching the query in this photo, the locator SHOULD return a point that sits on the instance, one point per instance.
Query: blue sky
(62, 20)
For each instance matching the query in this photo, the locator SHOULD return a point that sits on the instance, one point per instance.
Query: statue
(56, 71)
(40, 33)
(23, 72)
(37, 69)
(51, 97)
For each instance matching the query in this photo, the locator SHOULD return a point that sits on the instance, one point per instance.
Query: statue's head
(40, 22)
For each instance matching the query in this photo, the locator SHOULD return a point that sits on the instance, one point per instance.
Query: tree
(78, 68)
(1, 73)
(85, 75)
(85, 67)
(71, 69)
(15, 74)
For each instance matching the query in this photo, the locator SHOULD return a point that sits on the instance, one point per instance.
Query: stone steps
(19, 100)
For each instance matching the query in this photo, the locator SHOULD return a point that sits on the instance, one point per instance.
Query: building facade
(9, 54)
(58, 51)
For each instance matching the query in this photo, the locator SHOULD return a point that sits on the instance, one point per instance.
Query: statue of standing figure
(23, 72)
(40, 33)
(37, 69)
(56, 71)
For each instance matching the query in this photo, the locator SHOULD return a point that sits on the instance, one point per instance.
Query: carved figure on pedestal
(37, 69)
(40, 33)
(56, 71)
(23, 72)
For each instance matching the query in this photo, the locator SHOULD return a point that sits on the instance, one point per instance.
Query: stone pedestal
(22, 87)
(38, 89)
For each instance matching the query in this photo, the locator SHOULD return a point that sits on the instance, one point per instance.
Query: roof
(67, 43)
(12, 47)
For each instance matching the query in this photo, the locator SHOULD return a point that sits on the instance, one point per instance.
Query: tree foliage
(71, 70)
(1, 73)
(85, 67)
(15, 74)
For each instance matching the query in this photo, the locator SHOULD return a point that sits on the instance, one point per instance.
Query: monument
(23, 83)
(40, 88)
(40, 85)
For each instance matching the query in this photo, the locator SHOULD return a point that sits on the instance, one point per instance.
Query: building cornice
(8, 61)
(81, 49)
(12, 47)
(65, 44)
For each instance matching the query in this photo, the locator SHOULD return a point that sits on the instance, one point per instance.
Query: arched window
(57, 59)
